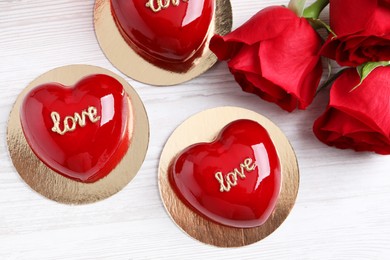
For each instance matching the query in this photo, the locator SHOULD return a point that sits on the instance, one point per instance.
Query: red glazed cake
(234, 180)
(81, 132)
(164, 32)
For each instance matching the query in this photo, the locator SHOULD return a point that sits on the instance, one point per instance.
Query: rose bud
(358, 116)
(274, 55)
(362, 30)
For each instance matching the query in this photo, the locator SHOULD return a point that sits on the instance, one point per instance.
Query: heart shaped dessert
(171, 31)
(81, 132)
(234, 180)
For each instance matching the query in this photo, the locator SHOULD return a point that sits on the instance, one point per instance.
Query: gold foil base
(124, 58)
(51, 184)
(204, 127)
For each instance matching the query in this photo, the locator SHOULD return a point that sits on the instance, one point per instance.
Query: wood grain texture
(342, 211)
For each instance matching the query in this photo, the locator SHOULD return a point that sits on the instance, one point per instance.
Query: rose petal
(248, 74)
(359, 27)
(288, 63)
(359, 119)
(274, 55)
(348, 16)
(246, 59)
(225, 47)
(370, 101)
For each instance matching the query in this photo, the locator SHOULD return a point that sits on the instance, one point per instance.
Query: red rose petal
(225, 47)
(269, 59)
(358, 119)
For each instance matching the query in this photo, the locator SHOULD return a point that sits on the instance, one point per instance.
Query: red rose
(363, 31)
(358, 119)
(274, 55)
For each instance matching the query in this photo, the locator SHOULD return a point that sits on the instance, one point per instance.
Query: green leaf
(365, 70)
(297, 6)
(315, 9)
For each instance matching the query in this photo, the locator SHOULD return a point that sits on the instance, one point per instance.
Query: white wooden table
(342, 210)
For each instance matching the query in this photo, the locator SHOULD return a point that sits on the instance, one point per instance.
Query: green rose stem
(330, 80)
(314, 10)
(363, 70)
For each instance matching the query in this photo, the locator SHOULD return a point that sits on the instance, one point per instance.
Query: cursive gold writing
(70, 122)
(158, 5)
(231, 179)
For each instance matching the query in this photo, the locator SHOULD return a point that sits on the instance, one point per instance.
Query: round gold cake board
(204, 127)
(53, 185)
(124, 58)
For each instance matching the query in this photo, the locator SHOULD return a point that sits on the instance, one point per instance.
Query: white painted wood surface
(343, 207)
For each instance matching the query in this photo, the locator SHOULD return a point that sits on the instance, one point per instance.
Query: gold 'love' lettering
(158, 5)
(70, 122)
(231, 179)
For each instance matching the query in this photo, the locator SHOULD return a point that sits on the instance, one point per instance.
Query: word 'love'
(158, 5)
(231, 179)
(70, 122)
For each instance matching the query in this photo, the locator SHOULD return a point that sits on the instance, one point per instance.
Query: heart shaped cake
(164, 31)
(81, 132)
(234, 180)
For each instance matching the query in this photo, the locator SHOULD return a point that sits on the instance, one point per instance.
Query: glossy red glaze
(90, 152)
(172, 35)
(248, 204)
